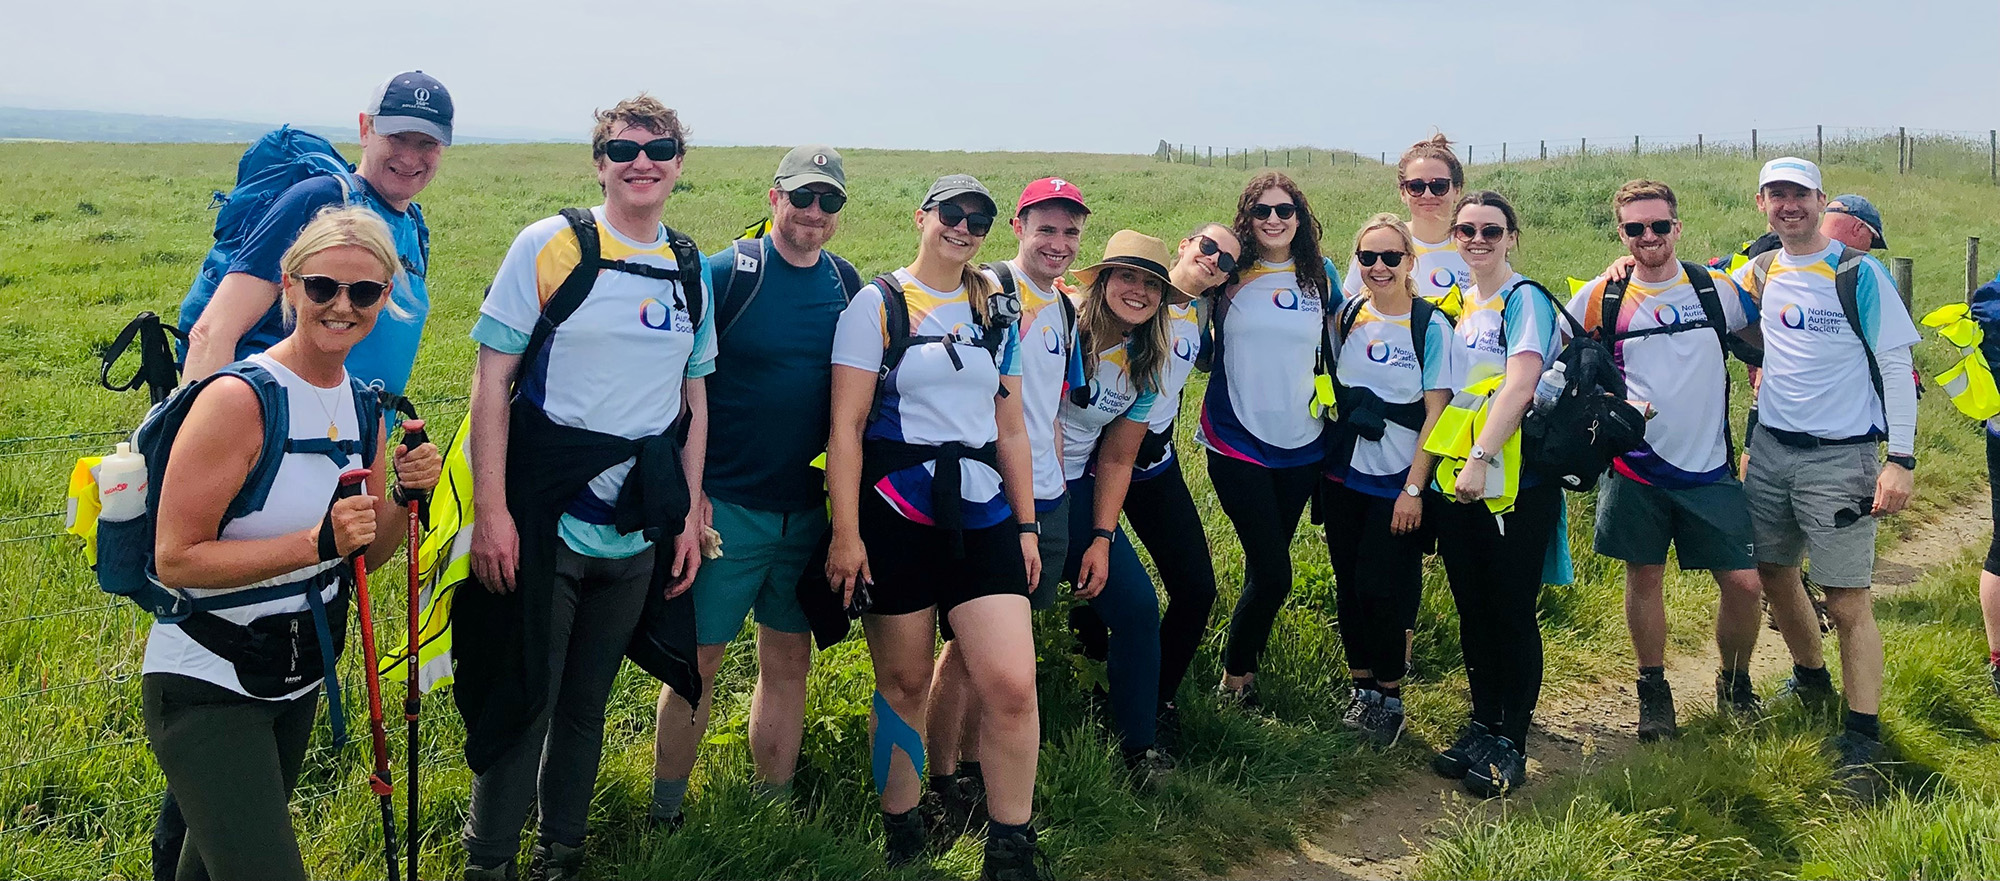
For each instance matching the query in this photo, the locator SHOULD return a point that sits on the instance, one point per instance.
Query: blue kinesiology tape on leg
(892, 733)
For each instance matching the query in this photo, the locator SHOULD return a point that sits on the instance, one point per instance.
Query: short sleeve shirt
(1048, 346)
(1258, 404)
(1184, 342)
(1493, 328)
(1378, 354)
(1112, 394)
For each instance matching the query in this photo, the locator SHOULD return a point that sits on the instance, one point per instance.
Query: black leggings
(1992, 481)
(1495, 579)
(1264, 505)
(1376, 592)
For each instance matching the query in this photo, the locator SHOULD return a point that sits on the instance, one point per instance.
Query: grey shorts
(1054, 545)
(1708, 526)
(1814, 503)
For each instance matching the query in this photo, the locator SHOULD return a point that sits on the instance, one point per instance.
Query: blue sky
(1099, 75)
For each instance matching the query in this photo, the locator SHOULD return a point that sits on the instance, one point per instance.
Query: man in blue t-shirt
(776, 302)
(404, 131)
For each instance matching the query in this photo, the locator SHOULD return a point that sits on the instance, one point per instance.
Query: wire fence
(1961, 154)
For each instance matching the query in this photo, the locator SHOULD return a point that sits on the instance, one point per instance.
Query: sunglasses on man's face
(829, 202)
(1391, 259)
(1636, 229)
(1437, 185)
(321, 289)
(1223, 261)
(658, 149)
(1284, 210)
(976, 222)
(1466, 232)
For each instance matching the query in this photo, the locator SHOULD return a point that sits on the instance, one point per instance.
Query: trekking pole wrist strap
(328, 550)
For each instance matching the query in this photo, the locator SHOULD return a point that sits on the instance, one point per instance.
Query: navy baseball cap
(412, 102)
(1860, 209)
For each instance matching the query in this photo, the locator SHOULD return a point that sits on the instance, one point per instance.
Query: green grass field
(90, 234)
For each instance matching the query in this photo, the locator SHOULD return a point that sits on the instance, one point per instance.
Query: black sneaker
(554, 861)
(666, 825)
(959, 804)
(1014, 857)
(1859, 773)
(1167, 727)
(1382, 722)
(1473, 740)
(1993, 671)
(1244, 698)
(1358, 701)
(1148, 766)
(1817, 698)
(1656, 711)
(503, 872)
(1501, 770)
(1737, 697)
(905, 836)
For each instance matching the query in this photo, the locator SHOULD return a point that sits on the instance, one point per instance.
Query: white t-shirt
(1378, 355)
(1520, 315)
(1112, 394)
(1438, 268)
(1184, 334)
(617, 365)
(298, 500)
(1047, 347)
(1682, 374)
(1258, 404)
(928, 399)
(1815, 371)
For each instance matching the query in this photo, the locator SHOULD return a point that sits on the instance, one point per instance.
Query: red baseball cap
(1050, 188)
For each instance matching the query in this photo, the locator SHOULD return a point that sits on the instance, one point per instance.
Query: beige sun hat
(1134, 249)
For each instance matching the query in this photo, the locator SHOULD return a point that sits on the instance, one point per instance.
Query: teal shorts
(1708, 525)
(763, 553)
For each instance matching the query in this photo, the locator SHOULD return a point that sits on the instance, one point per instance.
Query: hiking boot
(1148, 766)
(1816, 698)
(1357, 707)
(1167, 727)
(1501, 770)
(666, 825)
(1472, 740)
(506, 871)
(1014, 857)
(1656, 711)
(1382, 722)
(961, 806)
(905, 836)
(1244, 698)
(555, 861)
(1859, 772)
(1737, 698)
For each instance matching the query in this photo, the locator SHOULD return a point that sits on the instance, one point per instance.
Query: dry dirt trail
(1597, 722)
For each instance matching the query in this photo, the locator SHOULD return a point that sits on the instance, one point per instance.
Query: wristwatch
(1908, 461)
(1478, 453)
(1032, 527)
(1106, 534)
(1412, 490)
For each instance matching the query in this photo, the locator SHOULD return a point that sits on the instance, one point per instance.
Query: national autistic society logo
(1442, 278)
(1667, 314)
(1378, 351)
(1051, 340)
(1793, 316)
(1184, 348)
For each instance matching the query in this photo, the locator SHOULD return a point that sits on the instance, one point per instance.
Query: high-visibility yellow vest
(1970, 381)
(1458, 428)
(1452, 303)
(80, 518)
(444, 562)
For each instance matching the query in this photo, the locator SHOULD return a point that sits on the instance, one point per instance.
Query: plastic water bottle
(1551, 387)
(121, 485)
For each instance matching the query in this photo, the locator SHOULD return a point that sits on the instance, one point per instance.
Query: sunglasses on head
(1391, 259)
(976, 222)
(321, 289)
(1466, 232)
(1223, 262)
(1636, 229)
(1284, 210)
(658, 149)
(829, 202)
(1437, 185)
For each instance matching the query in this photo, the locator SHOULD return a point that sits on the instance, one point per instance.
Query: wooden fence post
(1819, 144)
(1902, 150)
(1583, 146)
(1697, 144)
(1211, 157)
(1993, 155)
(1753, 144)
(1903, 272)
(1971, 266)
(1635, 145)
(1503, 152)
(1545, 148)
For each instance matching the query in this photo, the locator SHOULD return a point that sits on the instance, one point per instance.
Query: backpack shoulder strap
(1421, 311)
(850, 278)
(275, 407)
(688, 267)
(746, 278)
(895, 321)
(1847, 286)
(1760, 268)
(1005, 273)
(575, 286)
(1711, 301)
(368, 417)
(1611, 305)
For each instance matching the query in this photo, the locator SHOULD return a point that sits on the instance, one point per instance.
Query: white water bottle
(1551, 387)
(121, 485)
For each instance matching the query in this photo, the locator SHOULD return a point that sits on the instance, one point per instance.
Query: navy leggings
(1131, 608)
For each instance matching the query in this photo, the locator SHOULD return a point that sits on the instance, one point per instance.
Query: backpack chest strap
(337, 450)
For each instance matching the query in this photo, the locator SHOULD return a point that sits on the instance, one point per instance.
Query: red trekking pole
(380, 781)
(418, 501)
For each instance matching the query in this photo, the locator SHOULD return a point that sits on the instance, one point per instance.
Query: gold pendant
(332, 431)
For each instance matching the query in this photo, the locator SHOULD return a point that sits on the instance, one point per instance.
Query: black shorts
(914, 569)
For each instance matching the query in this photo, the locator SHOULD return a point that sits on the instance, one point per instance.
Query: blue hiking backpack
(273, 164)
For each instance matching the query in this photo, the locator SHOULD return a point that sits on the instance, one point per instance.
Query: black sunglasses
(1437, 185)
(658, 149)
(1636, 229)
(1491, 232)
(1391, 259)
(829, 202)
(1223, 262)
(321, 289)
(976, 222)
(1284, 210)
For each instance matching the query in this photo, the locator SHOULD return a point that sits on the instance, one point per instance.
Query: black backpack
(1613, 303)
(1003, 308)
(582, 277)
(1846, 286)
(746, 279)
(1573, 442)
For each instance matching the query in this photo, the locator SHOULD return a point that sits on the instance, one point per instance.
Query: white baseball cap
(1791, 169)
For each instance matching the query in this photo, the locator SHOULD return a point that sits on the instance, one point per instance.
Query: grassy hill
(90, 234)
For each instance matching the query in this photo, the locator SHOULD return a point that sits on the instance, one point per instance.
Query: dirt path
(1595, 723)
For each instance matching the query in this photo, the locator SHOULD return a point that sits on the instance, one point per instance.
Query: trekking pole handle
(413, 437)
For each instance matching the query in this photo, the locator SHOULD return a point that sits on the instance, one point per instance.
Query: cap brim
(992, 207)
(1051, 198)
(392, 125)
(1787, 177)
(795, 181)
(1879, 243)
(1173, 295)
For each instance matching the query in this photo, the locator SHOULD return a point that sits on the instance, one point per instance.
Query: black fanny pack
(280, 653)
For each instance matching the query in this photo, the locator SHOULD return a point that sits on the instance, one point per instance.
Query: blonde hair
(1401, 229)
(1146, 348)
(344, 227)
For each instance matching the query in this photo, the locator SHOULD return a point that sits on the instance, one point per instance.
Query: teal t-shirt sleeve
(492, 334)
(701, 362)
(1439, 351)
(1531, 323)
(1142, 407)
(1010, 351)
(1335, 296)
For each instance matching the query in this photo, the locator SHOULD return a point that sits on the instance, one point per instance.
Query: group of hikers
(991, 433)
